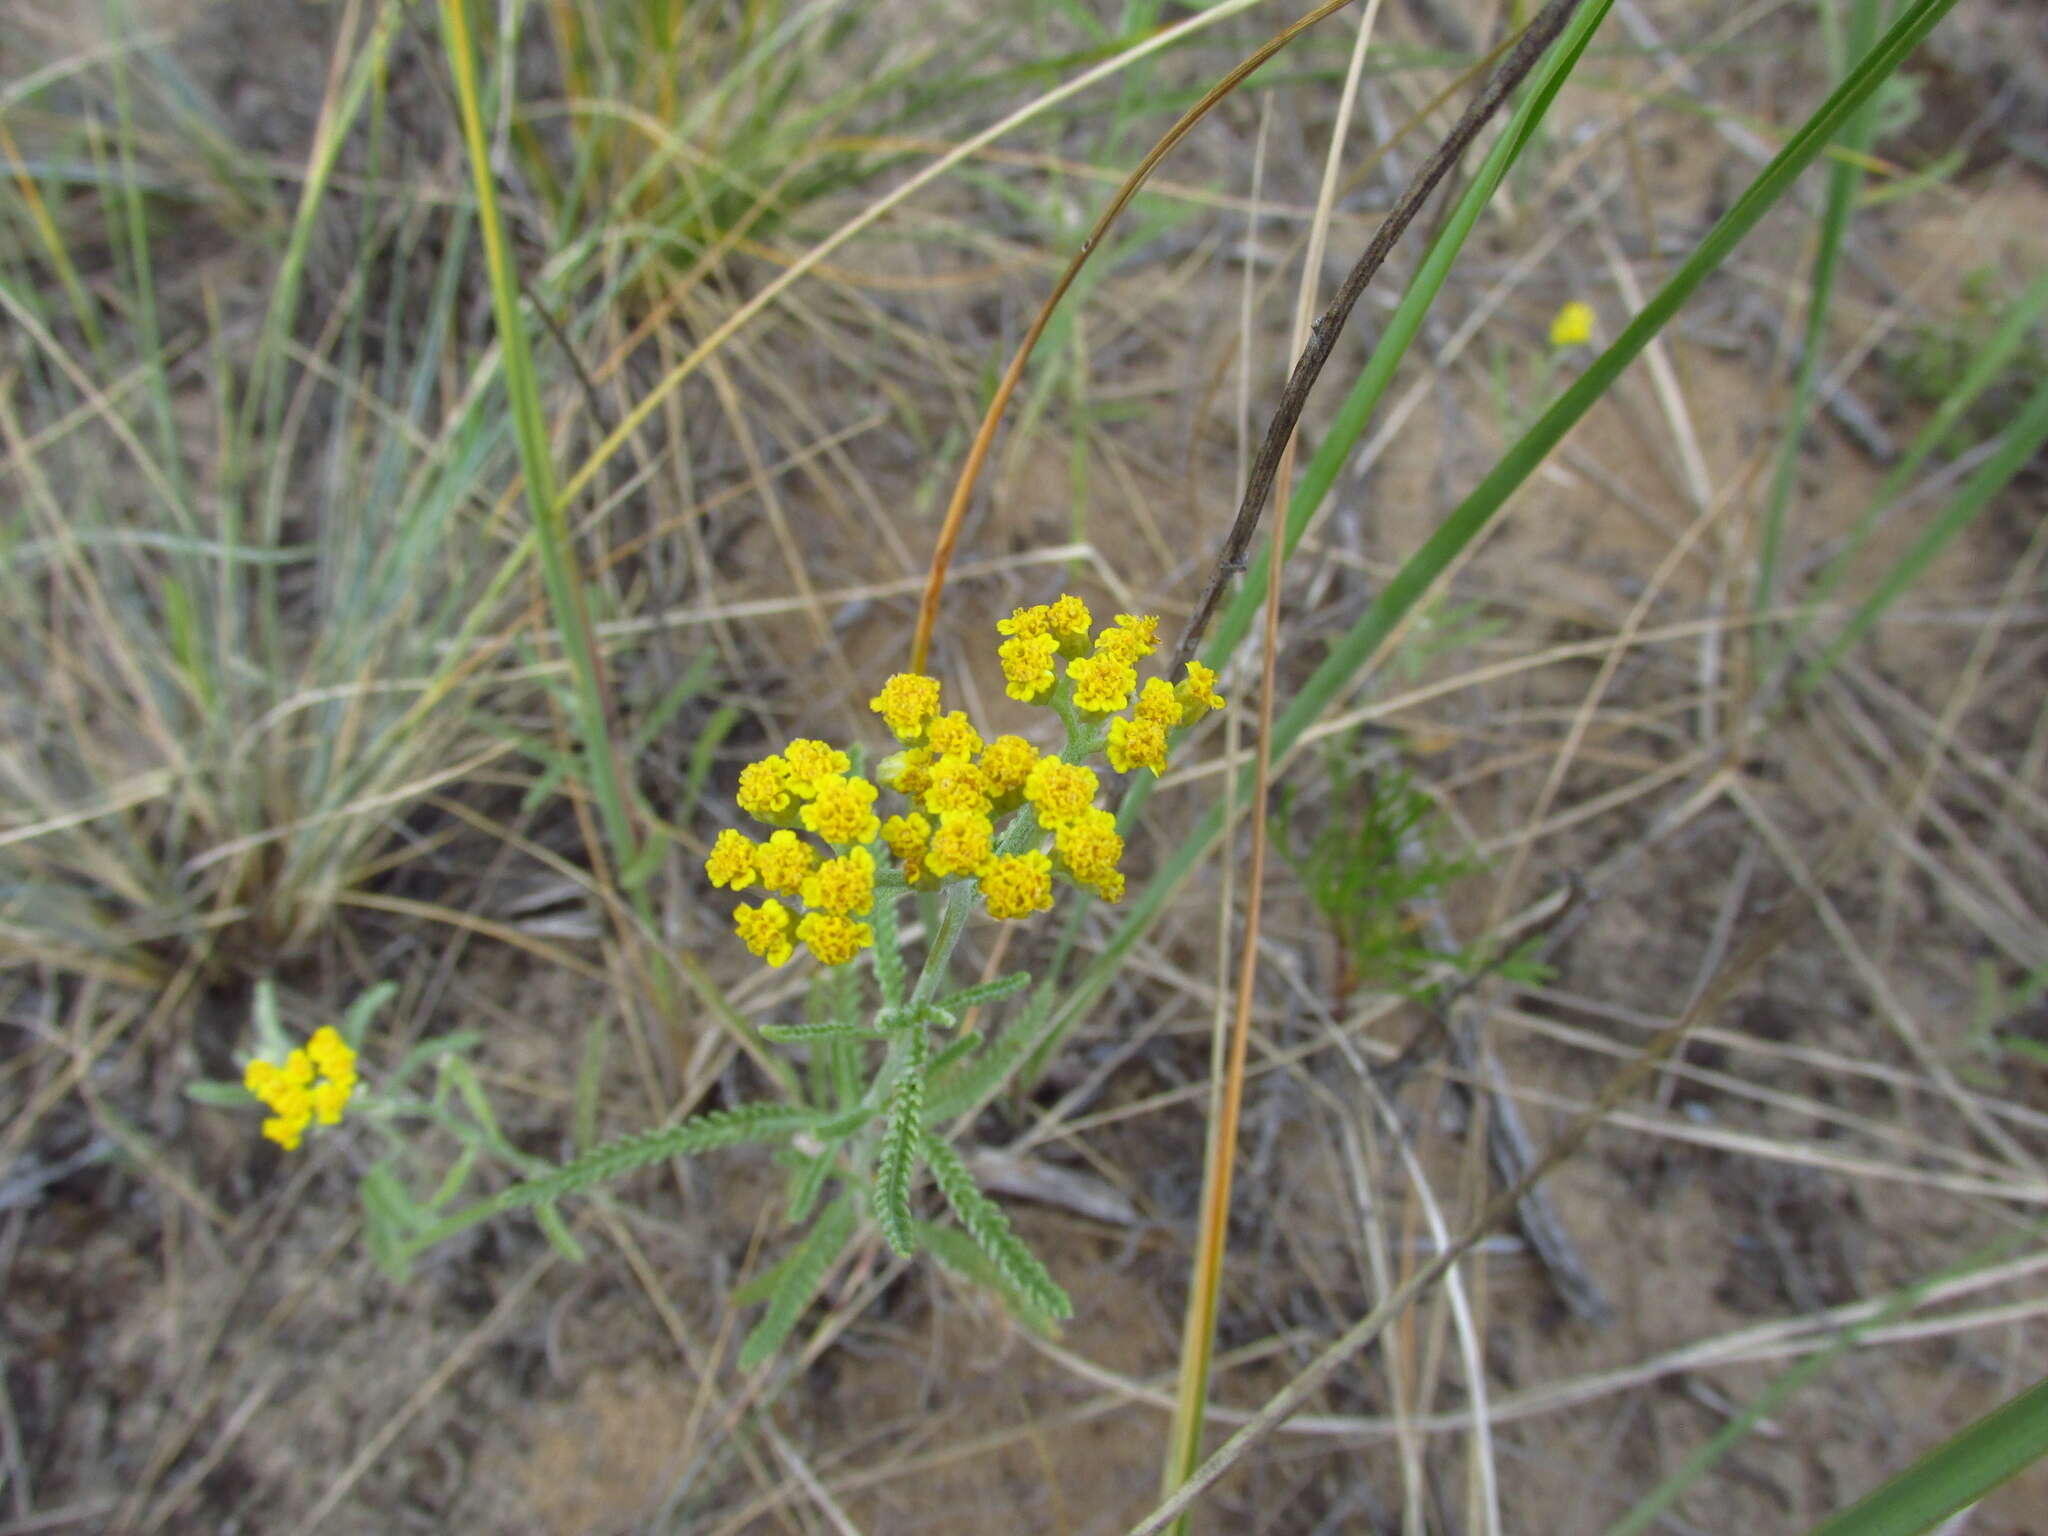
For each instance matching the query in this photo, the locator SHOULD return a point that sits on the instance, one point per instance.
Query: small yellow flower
(832, 938)
(1157, 702)
(1137, 744)
(1089, 848)
(845, 885)
(1573, 326)
(1025, 622)
(765, 930)
(957, 785)
(1197, 694)
(807, 761)
(952, 736)
(783, 862)
(315, 1082)
(764, 792)
(842, 811)
(1069, 621)
(1059, 791)
(1005, 763)
(1017, 885)
(1102, 682)
(1134, 635)
(1028, 674)
(908, 837)
(909, 772)
(962, 845)
(332, 1056)
(906, 702)
(732, 861)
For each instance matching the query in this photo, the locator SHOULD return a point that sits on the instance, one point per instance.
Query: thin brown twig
(984, 437)
(1515, 68)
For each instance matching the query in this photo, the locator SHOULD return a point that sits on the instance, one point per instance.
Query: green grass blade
(1959, 1472)
(2023, 437)
(1845, 175)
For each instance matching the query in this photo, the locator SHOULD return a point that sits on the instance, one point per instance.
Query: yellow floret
(765, 930)
(1573, 326)
(1197, 693)
(764, 792)
(1137, 744)
(957, 785)
(1069, 621)
(1005, 764)
(287, 1133)
(832, 938)
(908, 837)
(807, 761)
(1025, 622)
(842, 811)
(1017, 885)
(732, 861)
(962, 845)
(1157, 701)
(783, 861)
(1028, 674)
(909, 773)
(1059, 791)
(1130, 639)
(331, 1054)
(953, 736)
(906, 702)
(845, 885)
(1089, 848)
(1102, 682)
(330, 1098)
(298, 1070)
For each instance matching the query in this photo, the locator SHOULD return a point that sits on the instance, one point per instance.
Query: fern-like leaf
(803, 1034)
(986, 992)
(700, 1133)
(898, 1158)
(990, 1229)
(797, 1281)
(973, 1083)
(957, 1251)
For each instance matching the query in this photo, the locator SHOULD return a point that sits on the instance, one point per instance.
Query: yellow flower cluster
(315, 1083)
(957, 785)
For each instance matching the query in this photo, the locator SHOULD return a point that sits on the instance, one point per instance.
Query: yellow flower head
(1102, 682)
(1197, 694)
(909, 772)
(806, 762)
(1131, 638)
(845, 885)
(332, 1056)
(908, 837)
(962, 845)
(732, 861)
(832, 938)
(952, 736)
(906, 702)
(765, 792)
(315, 1083)
(1089, 848)
(957, 785)
(1024, 623)
(1005, 764)
(765, 930)
(1137, 744)
(1573, 326)
(1059, 791)
(842, 811)
(1027, 661)
(783, 862)
(1017, 885)
(1069, 621)
(1157, 702)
